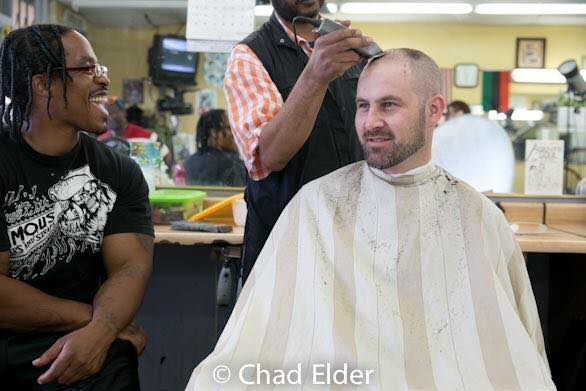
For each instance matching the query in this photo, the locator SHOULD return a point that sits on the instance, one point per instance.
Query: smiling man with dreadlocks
(75, 230)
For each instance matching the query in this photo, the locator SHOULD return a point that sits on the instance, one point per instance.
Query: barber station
(299, 194)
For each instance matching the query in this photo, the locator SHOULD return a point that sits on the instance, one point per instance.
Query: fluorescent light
(526, 75)
(267, 9)
(548, 76)
(527, 115)
(263, 10)
(531, 9)
(496, 116)
(406, 8)
(332, 7)
(129, 4)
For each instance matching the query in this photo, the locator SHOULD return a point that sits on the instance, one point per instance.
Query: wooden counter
(533, 238)
(551, 227)
(164, 235)
(567, 218)
(543, 227)
(539, 238)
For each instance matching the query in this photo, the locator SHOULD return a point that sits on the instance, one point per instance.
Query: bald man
(388, 274)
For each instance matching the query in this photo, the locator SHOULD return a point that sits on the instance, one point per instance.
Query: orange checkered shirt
(253, 100)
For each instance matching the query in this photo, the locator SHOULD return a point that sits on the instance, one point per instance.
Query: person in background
(135, 115)
(291, 111)
(76, 236)
(216, 162)
(119, 123)
(124, 123)
(456, 109)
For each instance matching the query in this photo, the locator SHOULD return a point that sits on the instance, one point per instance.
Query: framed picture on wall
(530, 53)
(132, 91)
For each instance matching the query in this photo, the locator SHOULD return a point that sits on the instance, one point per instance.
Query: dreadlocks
(213, 120)
(24, 53)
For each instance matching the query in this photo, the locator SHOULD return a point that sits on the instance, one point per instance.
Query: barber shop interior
(297, 194)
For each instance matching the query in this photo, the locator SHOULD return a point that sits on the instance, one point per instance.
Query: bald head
(423, 71)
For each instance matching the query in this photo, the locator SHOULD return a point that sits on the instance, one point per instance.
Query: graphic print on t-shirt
(46, 228)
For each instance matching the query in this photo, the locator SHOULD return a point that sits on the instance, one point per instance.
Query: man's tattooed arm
(24, 308)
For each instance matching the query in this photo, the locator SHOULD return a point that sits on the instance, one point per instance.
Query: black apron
(332, 144)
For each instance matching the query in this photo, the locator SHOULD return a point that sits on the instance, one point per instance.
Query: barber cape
(414, 281)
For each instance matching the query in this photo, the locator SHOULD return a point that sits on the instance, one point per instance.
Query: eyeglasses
(98, 70)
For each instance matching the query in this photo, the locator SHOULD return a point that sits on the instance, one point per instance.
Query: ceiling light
(267, 9)
(263, 10)
(547, 76)
(134, 4)
(406, 8)
(332, 7)
(496, 116)
(523, 75)
(527, 115)
(531, 9)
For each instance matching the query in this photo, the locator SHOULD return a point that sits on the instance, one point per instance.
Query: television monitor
(170, 63)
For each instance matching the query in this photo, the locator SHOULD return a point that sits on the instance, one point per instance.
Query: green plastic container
(169, 205)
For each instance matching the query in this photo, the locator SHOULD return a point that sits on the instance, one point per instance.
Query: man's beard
(387, 157)
(288, 12)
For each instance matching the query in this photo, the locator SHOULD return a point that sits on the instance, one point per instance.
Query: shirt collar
(303, 43)
(414, 176)
(416, 170)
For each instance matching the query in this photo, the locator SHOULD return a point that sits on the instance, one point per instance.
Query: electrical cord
(303, 19)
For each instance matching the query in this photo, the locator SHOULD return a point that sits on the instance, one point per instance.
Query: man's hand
(333, 55)
(136, 335)
(80, 354)
(77, 355)
(285, 134)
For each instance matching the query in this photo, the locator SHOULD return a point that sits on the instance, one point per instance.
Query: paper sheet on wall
(216, 26)
(544, 167)
(214, 67)
(206, 100)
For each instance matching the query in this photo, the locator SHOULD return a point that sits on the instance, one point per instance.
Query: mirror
(122, 38)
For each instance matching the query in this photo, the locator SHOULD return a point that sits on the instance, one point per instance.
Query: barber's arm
(78, 355)
(286, 133)
(24, 308)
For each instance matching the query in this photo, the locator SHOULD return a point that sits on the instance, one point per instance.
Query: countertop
(541, 227)
(532, 237)
(164, 235)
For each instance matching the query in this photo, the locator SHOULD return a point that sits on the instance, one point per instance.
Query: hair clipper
(327, 26)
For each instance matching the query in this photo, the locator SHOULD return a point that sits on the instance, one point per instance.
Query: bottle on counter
(179, 175)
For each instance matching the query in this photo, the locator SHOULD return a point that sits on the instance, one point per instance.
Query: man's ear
(437, 106)
(40, 85)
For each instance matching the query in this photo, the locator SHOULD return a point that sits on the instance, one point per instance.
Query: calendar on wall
(216, 26)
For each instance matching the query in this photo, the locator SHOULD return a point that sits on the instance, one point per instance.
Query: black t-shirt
(55, 211)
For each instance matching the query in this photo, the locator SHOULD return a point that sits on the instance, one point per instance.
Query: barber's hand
(77, 355)
(333, 55)
(136, 335)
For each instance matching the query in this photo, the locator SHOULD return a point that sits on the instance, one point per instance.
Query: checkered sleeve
(253, 100)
